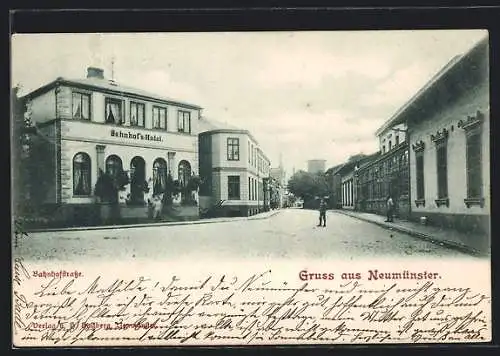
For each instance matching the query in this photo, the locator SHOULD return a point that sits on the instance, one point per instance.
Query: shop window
(81, 106)
(81, 174)
(114, 114)
(137, 114)
(233, 187)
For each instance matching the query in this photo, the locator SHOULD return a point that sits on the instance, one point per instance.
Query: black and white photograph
(239, 188)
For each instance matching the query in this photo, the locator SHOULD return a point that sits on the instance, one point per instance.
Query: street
(292, 233)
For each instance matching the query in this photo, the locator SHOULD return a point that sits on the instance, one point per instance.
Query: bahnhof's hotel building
(85, 126)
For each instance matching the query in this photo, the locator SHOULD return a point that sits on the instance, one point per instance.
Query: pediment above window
(418, 146)
(440, 136)
(472, 121)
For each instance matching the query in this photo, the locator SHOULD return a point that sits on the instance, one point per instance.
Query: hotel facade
(234, 171)
(88, 126)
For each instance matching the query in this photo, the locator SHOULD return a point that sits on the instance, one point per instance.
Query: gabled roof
(105, 85)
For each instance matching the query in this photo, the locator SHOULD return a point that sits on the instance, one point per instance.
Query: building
(234, 171)
(386, 173)
(345, 182)
(90, 127)
(448, 129)
(279, 177)
(335, 199)
(316, 166)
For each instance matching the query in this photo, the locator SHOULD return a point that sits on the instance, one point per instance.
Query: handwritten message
(68, 308)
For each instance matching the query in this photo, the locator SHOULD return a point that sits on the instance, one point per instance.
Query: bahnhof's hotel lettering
(135, 136)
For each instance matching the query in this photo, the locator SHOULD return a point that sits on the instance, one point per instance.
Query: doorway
(137, 180)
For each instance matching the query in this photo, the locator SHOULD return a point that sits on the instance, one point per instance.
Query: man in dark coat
(322, 213)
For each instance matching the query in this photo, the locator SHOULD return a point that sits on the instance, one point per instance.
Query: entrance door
(137, 180)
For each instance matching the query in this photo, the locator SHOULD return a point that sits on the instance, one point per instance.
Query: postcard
(250, 188)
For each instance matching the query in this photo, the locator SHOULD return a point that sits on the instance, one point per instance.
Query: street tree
(309, 186)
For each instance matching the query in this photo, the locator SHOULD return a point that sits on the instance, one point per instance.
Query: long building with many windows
(385, 173)
(90, 126)
(449, 140)
(234, 171)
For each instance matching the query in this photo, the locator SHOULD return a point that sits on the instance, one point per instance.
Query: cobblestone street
(291, 233)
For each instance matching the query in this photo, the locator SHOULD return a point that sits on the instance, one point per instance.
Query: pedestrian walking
(390, 209)
(322, 213)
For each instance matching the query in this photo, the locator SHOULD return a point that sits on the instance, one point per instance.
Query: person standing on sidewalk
(390, 209)
(322, 213)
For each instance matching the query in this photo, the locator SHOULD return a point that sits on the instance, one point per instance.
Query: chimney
(93, 72)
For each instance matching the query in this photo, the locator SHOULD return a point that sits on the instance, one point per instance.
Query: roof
(206, 124)
(400, 115)
(107, 86)
(350, 165)
(210, 126)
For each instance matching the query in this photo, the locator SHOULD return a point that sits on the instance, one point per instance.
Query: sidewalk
(260, 216)
(468, 243)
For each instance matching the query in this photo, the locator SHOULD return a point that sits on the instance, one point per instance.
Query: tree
(309, 186)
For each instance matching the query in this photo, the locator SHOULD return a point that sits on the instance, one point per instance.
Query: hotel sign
(104, 134)
(135, 136)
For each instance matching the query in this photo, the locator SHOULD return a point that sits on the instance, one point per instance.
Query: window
(383, 149)
(474, 166)
(184, 121)
(390, 145)
(255, 189)
(81, 174)
(249, 188)
(397, 140)
(81, 106)
(114, 166)
(249, 154)
(442, 171)
(233, 187)
(159, 176)
(114, 113)
(184, 173)
(159, 118)
(233, 149)
(136, 114)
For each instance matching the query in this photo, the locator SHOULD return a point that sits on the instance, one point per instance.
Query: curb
(170, 223)
(426, 237)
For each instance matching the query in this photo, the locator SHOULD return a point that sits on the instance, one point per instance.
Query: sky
(303, 95)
